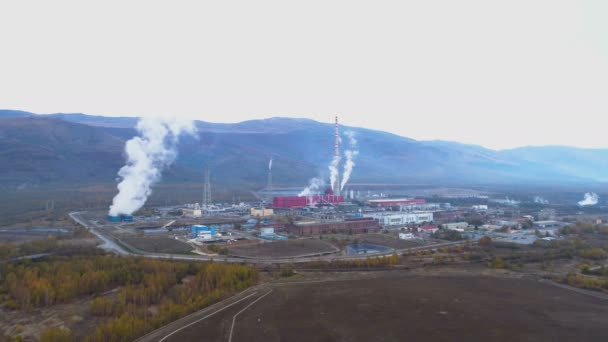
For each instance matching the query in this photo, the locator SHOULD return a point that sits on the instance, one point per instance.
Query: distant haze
(496, 73)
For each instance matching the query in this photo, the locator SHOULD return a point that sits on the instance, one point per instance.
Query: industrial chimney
(336, 185)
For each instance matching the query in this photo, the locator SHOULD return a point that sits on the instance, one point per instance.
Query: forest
(134, 295)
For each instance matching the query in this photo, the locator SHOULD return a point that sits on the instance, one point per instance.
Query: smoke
(270, 165)
(540, 200)
(348, 166)
(313, 187)
(333, 172)
(350, 155)
(591, 198)
(147, 155)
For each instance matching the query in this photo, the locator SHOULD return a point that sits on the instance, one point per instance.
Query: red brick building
(349, 226)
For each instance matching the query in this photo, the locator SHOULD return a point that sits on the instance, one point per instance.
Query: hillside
(78, 148)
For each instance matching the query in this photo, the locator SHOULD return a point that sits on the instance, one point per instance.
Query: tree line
(173, 288)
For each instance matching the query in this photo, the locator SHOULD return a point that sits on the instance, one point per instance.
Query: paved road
(93, 228)
(109, 244)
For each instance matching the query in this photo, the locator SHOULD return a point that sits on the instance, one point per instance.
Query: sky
(500, 74)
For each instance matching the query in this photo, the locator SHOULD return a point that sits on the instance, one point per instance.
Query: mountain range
(85, 149)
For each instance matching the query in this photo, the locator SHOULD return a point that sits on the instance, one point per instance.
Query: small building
(203, 232)
(406, 236)
(192, 212)
(266, 231)
(549, 224)
(428, 228)
(480, 207)
(261, 212)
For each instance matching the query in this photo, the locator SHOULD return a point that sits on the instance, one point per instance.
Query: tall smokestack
(337, 183)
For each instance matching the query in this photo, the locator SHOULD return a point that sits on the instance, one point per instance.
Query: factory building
(203, 232)
(395, 202)
(120, 218)
(288, 202)
(401, 218)
(458, 226)
(348, 226)
(192, 212)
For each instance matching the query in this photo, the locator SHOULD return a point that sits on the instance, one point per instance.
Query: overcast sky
(496, 73)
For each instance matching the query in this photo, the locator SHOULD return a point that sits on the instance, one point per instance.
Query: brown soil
(415, 307)
(158, 244)
(278, 249)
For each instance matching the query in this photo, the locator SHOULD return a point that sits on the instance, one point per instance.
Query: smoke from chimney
(314, 185)
(147, 155)
(334, 173)
(350, 155)
(590, 199)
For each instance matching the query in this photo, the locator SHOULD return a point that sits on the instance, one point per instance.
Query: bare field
(283, 249)
(158, 244)
(402, 307)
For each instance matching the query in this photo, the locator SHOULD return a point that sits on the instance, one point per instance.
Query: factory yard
(475, 305)
(283, 249)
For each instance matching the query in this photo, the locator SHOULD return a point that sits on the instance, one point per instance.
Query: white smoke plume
(270, 164)
(351, 135)
(590, 199)
(540, 200)
(350, 155)
(147, 155)
(348, 166)
(313, 188)
(333, 172)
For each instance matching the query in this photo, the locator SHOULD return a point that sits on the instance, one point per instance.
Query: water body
(366, 248)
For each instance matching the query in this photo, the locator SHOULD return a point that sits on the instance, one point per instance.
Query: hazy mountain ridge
(78, 148)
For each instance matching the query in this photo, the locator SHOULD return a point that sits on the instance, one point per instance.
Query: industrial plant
(330, 207)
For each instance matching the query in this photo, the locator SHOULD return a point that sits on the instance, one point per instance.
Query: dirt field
(278, 249)
(158, 245)
(32, 323)
(409, 307)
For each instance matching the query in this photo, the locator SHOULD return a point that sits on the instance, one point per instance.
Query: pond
(366, 248)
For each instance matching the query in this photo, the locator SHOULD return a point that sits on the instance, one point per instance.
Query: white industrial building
(401, 218)
(458, 226)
